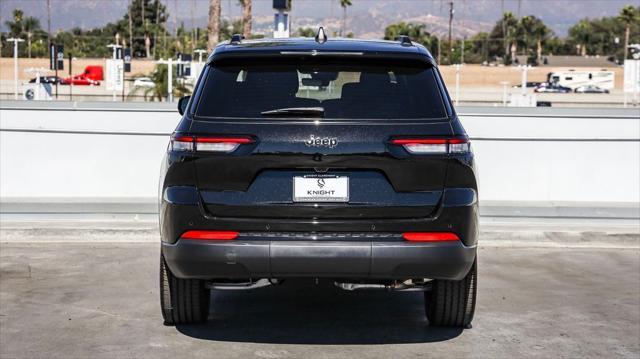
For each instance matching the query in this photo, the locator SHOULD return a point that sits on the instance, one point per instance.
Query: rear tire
(183, 301)
(452, 303)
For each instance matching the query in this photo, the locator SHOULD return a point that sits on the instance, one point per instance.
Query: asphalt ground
(559, 299)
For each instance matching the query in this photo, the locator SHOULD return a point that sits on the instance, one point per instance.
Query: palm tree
(628, 15)
(533, 32)
(510, 34)
(344, 4)
(16, 27)
(540, 33)
(523, 29)
(31, 24)
(246, 17)
(213, 24)
(22, 25)
(581, 33)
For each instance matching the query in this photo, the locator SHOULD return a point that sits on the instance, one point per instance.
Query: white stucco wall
(520, 158)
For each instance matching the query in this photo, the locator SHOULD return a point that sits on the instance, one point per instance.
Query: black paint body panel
(250, 191)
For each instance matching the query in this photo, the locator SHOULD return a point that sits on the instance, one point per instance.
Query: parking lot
(562, 298)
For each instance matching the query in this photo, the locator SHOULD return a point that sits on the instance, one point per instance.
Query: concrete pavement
(100, 300)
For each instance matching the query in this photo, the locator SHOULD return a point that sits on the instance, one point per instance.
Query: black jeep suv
(339, 160)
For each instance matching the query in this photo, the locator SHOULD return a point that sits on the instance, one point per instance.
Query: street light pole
(451, 11)
(524, 79)
(170, 62)
(504, 92)
(170, 79)
(15, 41)
(457, 101)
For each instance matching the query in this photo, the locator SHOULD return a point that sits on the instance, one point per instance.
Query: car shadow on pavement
(299, 312)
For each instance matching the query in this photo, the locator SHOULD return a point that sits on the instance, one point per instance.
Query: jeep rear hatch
(321, 125)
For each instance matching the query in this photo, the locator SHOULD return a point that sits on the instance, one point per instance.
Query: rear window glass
(341, 91)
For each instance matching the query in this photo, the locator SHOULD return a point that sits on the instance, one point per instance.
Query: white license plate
(320, 189)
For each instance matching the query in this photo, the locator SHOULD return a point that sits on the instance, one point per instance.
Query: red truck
(92, 75)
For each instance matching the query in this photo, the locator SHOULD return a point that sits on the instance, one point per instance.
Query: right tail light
(421, 145)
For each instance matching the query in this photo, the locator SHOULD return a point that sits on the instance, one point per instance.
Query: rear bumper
(182, 209)
(263, 250)
(241, 259)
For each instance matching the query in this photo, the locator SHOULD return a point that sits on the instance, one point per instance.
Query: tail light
(208, 144)
(430, 236)
(210, 235)
(420, 146)
(182, 143)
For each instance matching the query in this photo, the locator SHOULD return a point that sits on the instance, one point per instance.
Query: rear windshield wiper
(295, 111)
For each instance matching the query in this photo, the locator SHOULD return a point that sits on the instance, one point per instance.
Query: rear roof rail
(404, 40)
(236, 39)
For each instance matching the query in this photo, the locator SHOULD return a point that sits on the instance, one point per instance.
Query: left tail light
(430, 236)
(208, 144)
(421, 145)
(210, 235)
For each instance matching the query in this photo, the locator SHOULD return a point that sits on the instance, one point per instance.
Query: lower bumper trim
(329, 259)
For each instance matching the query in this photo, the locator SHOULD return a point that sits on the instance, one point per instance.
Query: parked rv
(573, 79)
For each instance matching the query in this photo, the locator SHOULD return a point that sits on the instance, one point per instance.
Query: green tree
(27, 28)
(581, 34)
(557, 46)
(31, 25)
(416, 32)
(160, 90)
(503, 38)
(306, 32)
(628, 15)
(532, 33)
(228, 29)
(16, 27)
(148, 17)
(479, 49)
(602, 36)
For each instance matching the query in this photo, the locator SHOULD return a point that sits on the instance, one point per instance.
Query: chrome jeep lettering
(314, 141)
